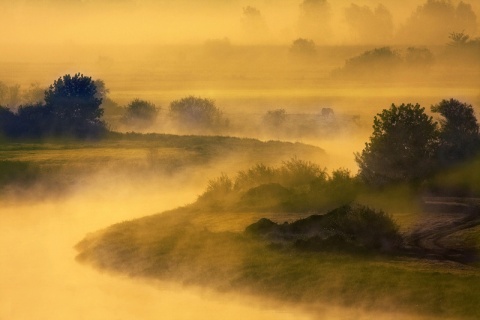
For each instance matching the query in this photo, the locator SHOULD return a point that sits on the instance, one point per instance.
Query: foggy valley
(296, 159)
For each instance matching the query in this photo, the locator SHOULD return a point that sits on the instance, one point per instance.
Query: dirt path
(444, 217)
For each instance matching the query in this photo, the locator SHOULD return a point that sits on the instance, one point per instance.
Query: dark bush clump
(348, 227)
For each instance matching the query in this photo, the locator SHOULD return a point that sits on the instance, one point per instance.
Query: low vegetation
(295, 186)
(339, 257)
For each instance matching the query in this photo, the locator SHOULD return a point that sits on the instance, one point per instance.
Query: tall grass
(295, 186)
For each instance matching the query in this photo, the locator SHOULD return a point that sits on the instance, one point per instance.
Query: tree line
(72, 107)
(406, 145)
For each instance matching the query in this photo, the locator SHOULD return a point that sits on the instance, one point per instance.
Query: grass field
(45, 168)
(212, 251)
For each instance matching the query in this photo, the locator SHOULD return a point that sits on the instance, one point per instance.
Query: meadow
(36, 169)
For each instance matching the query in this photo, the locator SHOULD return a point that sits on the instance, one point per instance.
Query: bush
(379, 62)
(296, 186)
(345, 227)
(419, 57)
(274, 119)
(219, 193)
(140, 113)
(193, 114)
(298, 173)
(259, 174)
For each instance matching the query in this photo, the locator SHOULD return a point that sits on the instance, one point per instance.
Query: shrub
(259, 174)
(377, 63)
(193, 113)
(298, 173)
(296, 186)
(140, 113)
(344, 227)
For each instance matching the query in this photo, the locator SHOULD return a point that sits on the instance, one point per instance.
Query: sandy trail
(444, 217)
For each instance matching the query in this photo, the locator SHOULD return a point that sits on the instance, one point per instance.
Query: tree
(418, 57)
(197, 113)
(401, 148)
(371, 26)
(253, 23)
(435, 19)
(75, 106)
(140, 113)
(34, 120)
(7, 122)
(315, 20)
(459, 134)
(275, 118)
(377, 63)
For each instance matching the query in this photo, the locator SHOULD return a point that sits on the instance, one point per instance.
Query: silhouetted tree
(314, 20)
(462, 41)
(419, 57)
(458, 39)
(401, 148)
(434, 20)
(463, 49)
(194, 113)
(459, 134)
(33, 121)
(376, 63)
(8, 122)
(253, 24)
(112, 111)
(75, 106)
(275, 118)
(101, 89)
(140, 113)
(370, 26)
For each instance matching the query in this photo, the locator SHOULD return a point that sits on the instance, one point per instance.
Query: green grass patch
(170, 247)
(134, 157)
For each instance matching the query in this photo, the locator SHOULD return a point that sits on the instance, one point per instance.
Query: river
(40, 279)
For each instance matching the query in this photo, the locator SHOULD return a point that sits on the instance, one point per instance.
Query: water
(40, 278)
